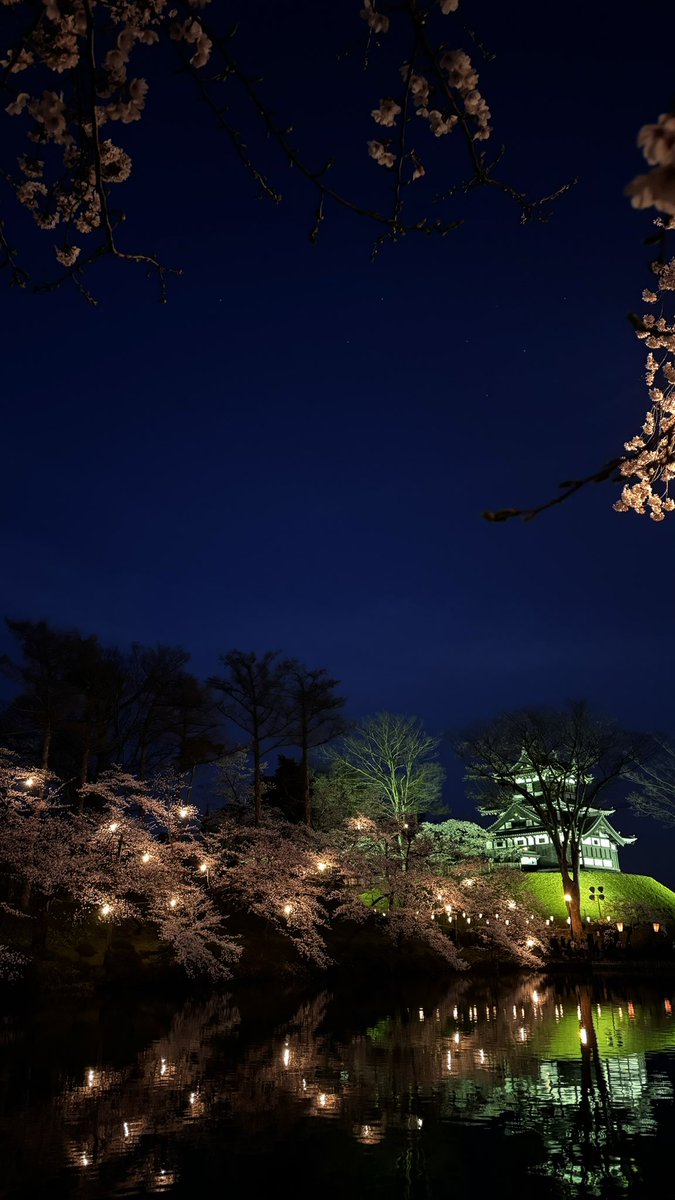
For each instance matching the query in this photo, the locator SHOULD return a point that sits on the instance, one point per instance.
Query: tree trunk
(256, 784)
(573, 890)
(306, 788)
(46, 746)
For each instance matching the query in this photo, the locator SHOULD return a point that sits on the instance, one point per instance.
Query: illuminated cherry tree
(149, 864)
(281, 872)
(469, 903)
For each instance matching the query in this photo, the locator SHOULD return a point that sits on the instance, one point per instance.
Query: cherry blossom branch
(610, 472)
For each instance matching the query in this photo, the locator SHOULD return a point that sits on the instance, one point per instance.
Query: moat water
(528, 1087)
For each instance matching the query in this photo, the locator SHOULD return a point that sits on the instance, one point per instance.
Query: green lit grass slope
(631, 898)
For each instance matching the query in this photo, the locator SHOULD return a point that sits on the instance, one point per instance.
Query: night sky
(295, 451)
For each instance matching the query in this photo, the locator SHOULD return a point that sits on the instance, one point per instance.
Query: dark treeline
(81, 707)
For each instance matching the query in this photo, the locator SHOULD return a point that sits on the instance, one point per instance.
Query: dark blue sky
(295, 451)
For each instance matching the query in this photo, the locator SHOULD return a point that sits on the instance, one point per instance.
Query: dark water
(525, 1089)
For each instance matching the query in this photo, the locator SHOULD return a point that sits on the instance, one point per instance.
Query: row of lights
(656, 925)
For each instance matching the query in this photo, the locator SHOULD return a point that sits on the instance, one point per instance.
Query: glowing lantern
(656, 926)
(619, 926)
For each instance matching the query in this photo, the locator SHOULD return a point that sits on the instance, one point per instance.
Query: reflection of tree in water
(544, 1081)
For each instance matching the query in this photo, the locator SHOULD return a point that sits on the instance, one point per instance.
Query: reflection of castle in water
(575, 1072)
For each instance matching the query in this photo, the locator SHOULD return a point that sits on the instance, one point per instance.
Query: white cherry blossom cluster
(656, 189)
(649, 465)
(444, 94)
(88, 45)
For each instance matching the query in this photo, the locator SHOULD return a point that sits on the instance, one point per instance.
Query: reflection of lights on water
(522, 1033)
(286, 1056)
(449, 1060)
(125, 1127)
(369, 1135)
(457, 1038)
(162, 1067)
(420, 1122)
(583, 1034)
(91, 1078)
(481, 1056)
(579, 1011)
(455, 1013)
(304, 1085)
(421, 1014)
(668, 1007)
(535, 997)
(515, 1012)
(84, 1160)
(631, 1009)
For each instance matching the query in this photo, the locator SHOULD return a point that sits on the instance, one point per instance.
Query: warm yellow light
(583, 1034)
(105, 909)
(288, 909)
(567, 898)
(530, 942)
(145, 857)
(173, 902)
(203, 868)
(619, 926)
(656, 926)
(30, 782)
(114, 826)
(321, 866)
(183, 812)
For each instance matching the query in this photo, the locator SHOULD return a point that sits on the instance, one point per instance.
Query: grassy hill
(631, 898)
